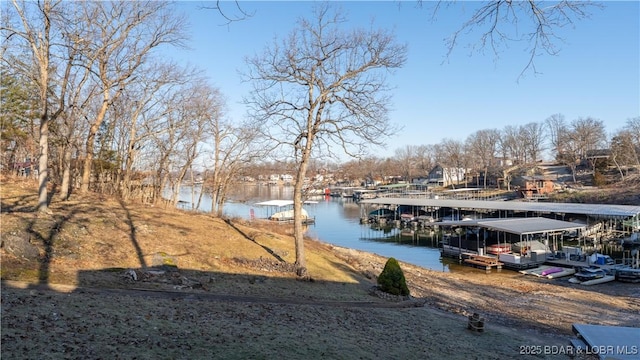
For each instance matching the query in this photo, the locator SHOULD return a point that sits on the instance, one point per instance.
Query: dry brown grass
(92, 232)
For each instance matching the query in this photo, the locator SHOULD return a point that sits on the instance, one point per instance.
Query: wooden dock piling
(476, 323)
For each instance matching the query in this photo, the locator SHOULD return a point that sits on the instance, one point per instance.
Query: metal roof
(519, 226)
(612, 342)
(281, 203)
(278, 203)
(602, 210)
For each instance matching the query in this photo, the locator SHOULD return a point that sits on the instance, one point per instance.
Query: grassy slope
(92, 232)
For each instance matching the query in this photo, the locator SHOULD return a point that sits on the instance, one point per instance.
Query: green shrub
(392, 280)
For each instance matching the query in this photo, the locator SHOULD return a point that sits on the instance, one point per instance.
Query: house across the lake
(535, 187)
(445, 176)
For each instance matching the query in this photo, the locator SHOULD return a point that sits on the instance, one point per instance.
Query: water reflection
(338, 223)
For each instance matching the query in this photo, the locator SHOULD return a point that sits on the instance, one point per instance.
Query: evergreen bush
(392, 280)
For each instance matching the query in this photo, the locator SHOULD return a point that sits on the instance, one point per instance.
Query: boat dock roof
(281, 203)
(518, 226)
(608, 342)
(596, 210)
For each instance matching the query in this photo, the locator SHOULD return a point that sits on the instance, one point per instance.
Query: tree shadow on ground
(23, 204)
(45, 229)
(267, 249)
(132, 234)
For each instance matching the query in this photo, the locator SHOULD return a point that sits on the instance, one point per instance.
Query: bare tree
(69, 130)
(37, 30)
(197, 105)
(406, 158)
(633, 126)
(453, 160)
(570, 155)
(589, 134)
(79, 91)
(368, 168)
(557, 130)
(483, 146)
(512, 145)
(623, 151)
(143, 106)
(165, 138)
(425, 158)
(533, 137)
(233, 148)
(237, 13)
(323, 86)
(176, 134)
(576, 140)
(535, 23)
(121, 41)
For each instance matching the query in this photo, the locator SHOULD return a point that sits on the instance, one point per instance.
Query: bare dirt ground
(95, 280)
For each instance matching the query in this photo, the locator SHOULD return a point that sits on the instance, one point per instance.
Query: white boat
(362, 194)
(563, 273)
(549, 272)
(604, 279)
(628, 275)
(591, 276)
(537, 271)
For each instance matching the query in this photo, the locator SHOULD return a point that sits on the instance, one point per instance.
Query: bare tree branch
(229, 16)
(499, 23)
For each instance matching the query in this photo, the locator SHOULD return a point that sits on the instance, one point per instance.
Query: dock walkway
(487, 262)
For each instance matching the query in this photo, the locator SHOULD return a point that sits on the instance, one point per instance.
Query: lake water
(338, 223)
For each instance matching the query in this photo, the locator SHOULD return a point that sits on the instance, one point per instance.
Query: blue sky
(596, 74)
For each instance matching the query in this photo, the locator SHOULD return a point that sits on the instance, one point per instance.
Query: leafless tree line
(491, 153)
(83, 80)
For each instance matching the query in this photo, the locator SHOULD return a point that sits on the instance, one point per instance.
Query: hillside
(102, 277)
(93, 232)
(626, 192)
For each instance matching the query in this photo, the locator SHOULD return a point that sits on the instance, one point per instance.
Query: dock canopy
(278, 203)
(518, 226)
(281, 203)
(606, 211)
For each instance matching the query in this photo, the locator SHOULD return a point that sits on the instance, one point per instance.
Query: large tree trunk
(298, 231)
(88, 160)
(203, 189)
(164, 180)
(90, 144)
(485, 178)
(66, 174)
(131, 155)
(43, 171)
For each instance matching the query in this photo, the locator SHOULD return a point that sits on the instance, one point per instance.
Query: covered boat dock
(532, 228)
(627, 215)
(282, 211)
(529, 232)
